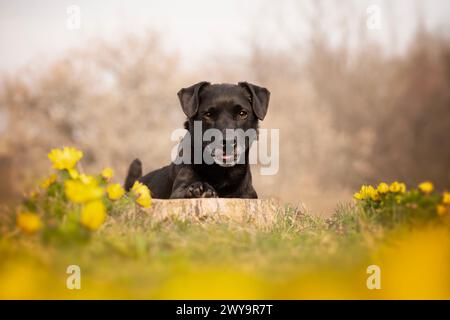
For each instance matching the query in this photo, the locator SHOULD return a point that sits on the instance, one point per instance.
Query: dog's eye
(243, 114)
(207, 114)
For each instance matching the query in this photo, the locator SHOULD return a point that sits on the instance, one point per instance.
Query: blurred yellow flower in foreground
(49, 181)
(107, 173)
(426, 187)
(416, 264)
(65, 158)
(446, 197)
(29, 222)
(115, 191)
(397, 187)
(383, 188)
(441, 210)
(213, 282)
(79, 192)
(93, 215)
(142, 194)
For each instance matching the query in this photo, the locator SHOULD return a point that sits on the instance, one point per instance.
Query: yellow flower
(446, 197)
(115, 191)
(361, 194)
(107, 173)
(29, 222)
(49, 181)
(84, 178)
(358, 196)
(397, 187)
(87, 179)
(65, 158)
(367, 192)
(383, 188)
(426, 187)
(79, 192)
(73, 173)
(375, 196)
(441, 210)
(93, 214)
(142, 194)
(414, 265)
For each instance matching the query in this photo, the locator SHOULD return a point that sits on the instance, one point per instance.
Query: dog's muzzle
(228, 153)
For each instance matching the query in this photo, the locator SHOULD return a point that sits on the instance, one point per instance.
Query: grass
(299, 256)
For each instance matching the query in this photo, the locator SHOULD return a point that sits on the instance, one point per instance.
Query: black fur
(220, 106)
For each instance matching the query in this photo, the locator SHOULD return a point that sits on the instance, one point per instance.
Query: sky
(34, 30)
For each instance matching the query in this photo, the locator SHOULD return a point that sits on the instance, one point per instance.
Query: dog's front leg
(187, 184)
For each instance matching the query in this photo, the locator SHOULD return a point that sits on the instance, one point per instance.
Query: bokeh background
(353, 104)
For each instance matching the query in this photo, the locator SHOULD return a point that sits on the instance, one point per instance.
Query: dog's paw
(201, 190)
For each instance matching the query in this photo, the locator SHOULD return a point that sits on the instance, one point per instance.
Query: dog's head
(225, 108)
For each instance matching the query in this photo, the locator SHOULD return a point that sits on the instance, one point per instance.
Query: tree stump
(257, 211)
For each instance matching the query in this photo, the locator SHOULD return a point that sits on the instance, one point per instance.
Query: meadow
(123, 253)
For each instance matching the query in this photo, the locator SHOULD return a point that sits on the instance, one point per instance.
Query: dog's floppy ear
(189, 98)
(260, 98)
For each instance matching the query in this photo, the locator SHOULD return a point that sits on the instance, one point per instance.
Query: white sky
(31, 30)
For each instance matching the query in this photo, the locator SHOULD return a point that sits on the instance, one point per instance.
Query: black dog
(218, 106)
